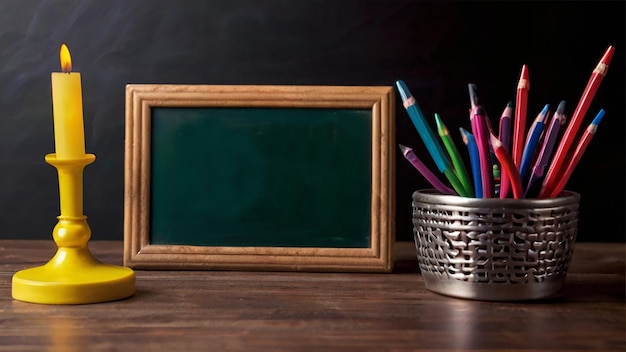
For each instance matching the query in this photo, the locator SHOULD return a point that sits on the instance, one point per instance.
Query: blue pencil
(429, 138)
(531, 141)
(472, 148)
(549, 141)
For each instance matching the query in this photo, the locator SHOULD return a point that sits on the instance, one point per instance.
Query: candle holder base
(73, 276)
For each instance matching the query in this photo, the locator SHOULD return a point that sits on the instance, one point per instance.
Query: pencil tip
(403, 89)
(463, 134)
(438, 121)
(495, 142)
(598, 118)
(608, 54)
(471, 87)
(509, 104)
(404, 149)
(524, 74)
(561, 108)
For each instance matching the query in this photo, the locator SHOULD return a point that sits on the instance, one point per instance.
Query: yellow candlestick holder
(73, 275)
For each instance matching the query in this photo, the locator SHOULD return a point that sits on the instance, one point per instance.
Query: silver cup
(494, 249)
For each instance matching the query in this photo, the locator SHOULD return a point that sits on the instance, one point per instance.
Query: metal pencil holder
(494, 249)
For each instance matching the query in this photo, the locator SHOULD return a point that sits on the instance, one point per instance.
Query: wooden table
(289, 311)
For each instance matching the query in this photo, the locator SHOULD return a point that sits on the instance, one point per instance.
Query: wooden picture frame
(193, 202)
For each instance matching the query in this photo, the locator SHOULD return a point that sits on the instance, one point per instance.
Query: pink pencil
(481, 134)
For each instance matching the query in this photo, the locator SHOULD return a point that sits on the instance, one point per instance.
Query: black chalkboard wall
(435, 47)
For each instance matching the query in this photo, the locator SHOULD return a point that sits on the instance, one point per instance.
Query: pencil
(481, 134)
(471, 88)
(496, 175)
(519, 128)
(472, 149)
(427, 135)
(563, 149)
(507, 164)
(474, 102)
(504, 134)
(534, 133)
(455, 156)
(549, 140)
(485, 121)
(425, 171)
(578, 153)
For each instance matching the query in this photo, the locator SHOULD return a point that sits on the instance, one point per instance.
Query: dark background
(436, 47)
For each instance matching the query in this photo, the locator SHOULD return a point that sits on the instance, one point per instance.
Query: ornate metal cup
(494, 249)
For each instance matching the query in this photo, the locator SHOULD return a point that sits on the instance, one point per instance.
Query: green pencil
(456, 184)
(457, 162)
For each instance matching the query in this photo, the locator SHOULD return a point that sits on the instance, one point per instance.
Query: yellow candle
(67, 107)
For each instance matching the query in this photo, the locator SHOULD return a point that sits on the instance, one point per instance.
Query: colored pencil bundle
(525, 159)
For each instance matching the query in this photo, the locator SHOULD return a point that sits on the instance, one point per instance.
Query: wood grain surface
(295, 311)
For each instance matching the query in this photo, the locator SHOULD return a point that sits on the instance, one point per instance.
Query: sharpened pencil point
(472, 94)
(524, 73)
(561, 108)
(523, 82)
(598, 118)
(441, 129)
(403, 89)
(608, 54)
(465, 134)
(495, 142)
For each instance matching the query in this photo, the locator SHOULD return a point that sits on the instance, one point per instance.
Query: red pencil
(563, 150)
(507, 164)
(578, 153)
(519, 126)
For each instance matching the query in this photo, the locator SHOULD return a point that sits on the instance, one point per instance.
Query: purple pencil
(558, 120)
(504, 136)
(419, 165)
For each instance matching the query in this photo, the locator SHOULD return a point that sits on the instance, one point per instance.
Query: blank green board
(275, 177)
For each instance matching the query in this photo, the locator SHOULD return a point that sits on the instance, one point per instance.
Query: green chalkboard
(291, 177)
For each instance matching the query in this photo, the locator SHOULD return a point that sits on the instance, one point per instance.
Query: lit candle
(67, 107)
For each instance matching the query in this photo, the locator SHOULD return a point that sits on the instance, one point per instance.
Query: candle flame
(66, 58)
